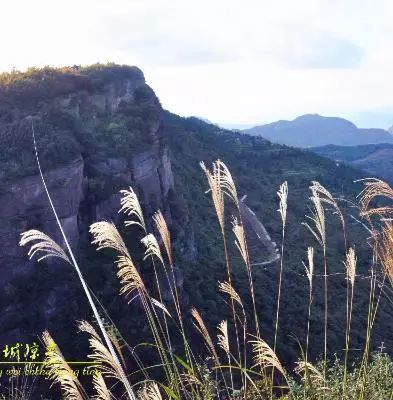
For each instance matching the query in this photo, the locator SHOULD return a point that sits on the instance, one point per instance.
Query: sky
(236, 63)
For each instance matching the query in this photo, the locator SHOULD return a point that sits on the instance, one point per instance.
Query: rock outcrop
(93, 139)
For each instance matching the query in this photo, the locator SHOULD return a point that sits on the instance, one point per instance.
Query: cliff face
(93, 139)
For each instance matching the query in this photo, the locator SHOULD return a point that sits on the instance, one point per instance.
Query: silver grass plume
(225, 287)
(106, 236)
(201, 328)
(102, 391)
(59, 371)
(220, 183)
(317, 217)
(129, 277)
(316, 376)
(283, 196)
(105, 362)
(150, 391)
(310, 268)
(152, 247)
(43, 246)
(163, 230)
(375, 188)
(130, 206)
(265, 357)
(240, 241)
(223, 339)
(350, 265)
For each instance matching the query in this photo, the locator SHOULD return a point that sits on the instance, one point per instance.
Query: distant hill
(376, 159)
(315, 130)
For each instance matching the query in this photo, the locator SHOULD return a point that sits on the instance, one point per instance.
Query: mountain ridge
(311, 130)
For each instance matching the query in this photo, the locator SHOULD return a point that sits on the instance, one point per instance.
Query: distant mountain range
(313, 130)
(376, 159)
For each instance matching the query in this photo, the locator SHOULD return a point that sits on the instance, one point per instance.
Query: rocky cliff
(98, 130)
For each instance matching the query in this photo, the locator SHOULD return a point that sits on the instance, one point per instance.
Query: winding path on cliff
(252, 223)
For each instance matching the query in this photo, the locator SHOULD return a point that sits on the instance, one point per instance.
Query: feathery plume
(220, 182)
(163, 230)
(316, 376)
(152, 247)
(59, 371)
(129, 276)
(223, 340)
(43, 246)
(227, 183)
(318, 218)
(350, 265)
(150, 392)
(201, 328)
(386, 250)
(283, 196)
(310, 268)
(374, 188)
(326, 197)
(264, 356)
(102, 391)
(103, 357)
(106, 236)
(130, 206)
(214, 180)
(227, 288)
(240, 241)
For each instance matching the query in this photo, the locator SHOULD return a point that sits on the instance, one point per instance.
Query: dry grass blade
(227, 288)
(105, 362)
(42, 245)
(265, 357)
(59, 371)
(102, 391)
(163, 230)
(152, 247)
(318, 218)
(375, 188)
(150, 392)
(223, 339)
(350, 265)
(201, 327)
(283, 196)
(129, 276)
(106, 236)
(161, 306)
(240, 241)
(310, 268)
(315, 375)
(130, 206)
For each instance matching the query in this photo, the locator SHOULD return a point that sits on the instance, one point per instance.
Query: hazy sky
(233, 62)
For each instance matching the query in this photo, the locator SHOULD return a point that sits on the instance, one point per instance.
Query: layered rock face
(94, 138)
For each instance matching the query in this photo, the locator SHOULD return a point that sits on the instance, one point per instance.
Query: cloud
(299, 47)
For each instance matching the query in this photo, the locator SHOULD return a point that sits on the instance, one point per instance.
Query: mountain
(375, 159)
(313, 130)
(100, 129)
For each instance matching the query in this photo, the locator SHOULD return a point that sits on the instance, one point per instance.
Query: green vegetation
(72, 120)
(237, 362)
(75, 110)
